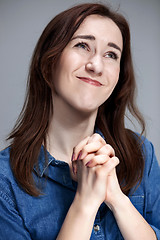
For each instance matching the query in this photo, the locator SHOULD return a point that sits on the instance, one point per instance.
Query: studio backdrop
(21, 23)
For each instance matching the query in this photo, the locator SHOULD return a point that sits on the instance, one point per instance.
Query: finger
(77, 149)
(92, 147)
(84, 161)
(106, 149)
(82, 171)
(74, 167)
(96, 138)
(110, 165)
(96, 160)
(107, 168)
(100, 157)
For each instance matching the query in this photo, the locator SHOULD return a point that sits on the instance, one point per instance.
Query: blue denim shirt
(39, 218)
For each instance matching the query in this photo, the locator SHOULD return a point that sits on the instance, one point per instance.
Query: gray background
(21, 23)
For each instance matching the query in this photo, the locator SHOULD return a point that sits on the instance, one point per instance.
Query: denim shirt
(39, 218)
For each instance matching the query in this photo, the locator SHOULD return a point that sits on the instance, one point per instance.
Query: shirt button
(96, 228)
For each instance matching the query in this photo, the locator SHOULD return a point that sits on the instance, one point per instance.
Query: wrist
(118, 203)
(84, 206)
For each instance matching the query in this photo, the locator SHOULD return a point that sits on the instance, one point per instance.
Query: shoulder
(5, 161)
(149, 185)
(6, 176)
(148, 151)
(151, 164)
(146, 146)
(7, 180)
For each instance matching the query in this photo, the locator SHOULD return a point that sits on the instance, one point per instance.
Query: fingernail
(74, 171)
(73, 157)
(79, 155)
(87, 164)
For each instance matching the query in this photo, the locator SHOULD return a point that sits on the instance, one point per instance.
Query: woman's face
(89, 66)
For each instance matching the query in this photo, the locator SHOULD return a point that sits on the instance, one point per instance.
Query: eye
(82, 45)
(112, 55)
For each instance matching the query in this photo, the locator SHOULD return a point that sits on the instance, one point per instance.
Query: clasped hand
(94, 165)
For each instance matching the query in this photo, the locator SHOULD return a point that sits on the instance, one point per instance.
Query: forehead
(102, 28)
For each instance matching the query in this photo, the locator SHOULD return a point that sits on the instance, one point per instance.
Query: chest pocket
(138, 202)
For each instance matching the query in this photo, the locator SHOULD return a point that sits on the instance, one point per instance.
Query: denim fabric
(39, 218)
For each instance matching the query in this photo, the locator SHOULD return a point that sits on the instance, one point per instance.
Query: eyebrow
(91, 37)
(111, 44)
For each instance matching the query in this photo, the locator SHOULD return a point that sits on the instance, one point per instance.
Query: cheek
(70, 61)
(113, 74)
(117, 71)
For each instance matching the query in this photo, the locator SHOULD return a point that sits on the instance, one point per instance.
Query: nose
(95, 65)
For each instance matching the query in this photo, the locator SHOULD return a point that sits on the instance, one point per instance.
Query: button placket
(97, 226)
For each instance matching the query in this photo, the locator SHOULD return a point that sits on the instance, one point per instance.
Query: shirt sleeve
(11, 223)
(152, 190)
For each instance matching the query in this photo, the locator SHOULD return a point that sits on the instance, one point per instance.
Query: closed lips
(90, 81)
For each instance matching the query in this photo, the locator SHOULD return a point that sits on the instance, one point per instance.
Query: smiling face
(89, 66)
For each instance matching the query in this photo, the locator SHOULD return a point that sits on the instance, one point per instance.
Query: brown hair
(32, 125)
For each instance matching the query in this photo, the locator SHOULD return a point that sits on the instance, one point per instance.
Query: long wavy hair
(32, 125)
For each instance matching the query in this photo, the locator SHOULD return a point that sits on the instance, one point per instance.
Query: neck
(67, 128)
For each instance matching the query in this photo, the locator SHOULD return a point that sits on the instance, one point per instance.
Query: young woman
(73, 171)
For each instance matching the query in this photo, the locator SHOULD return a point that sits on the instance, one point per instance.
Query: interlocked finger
(107, 167)
(78, 148)
(96, 138)
(106, 149)
(97, 160)
(88, 145)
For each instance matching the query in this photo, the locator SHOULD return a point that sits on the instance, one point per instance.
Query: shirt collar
(45, 159)
(54, 169)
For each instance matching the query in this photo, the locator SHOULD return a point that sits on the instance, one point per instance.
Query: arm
(152, 180)
(131, 223)
(11, 223)
(127, 215)
(71, 228)
(89, 196)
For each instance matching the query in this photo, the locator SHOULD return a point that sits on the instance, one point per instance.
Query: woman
(73, 171)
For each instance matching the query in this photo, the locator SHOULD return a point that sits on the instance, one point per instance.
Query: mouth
(90, 81)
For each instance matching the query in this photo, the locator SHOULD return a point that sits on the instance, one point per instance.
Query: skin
(86, 76)
(91, 59)
(76, 101)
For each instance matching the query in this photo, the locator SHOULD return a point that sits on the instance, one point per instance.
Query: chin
(87, 110)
